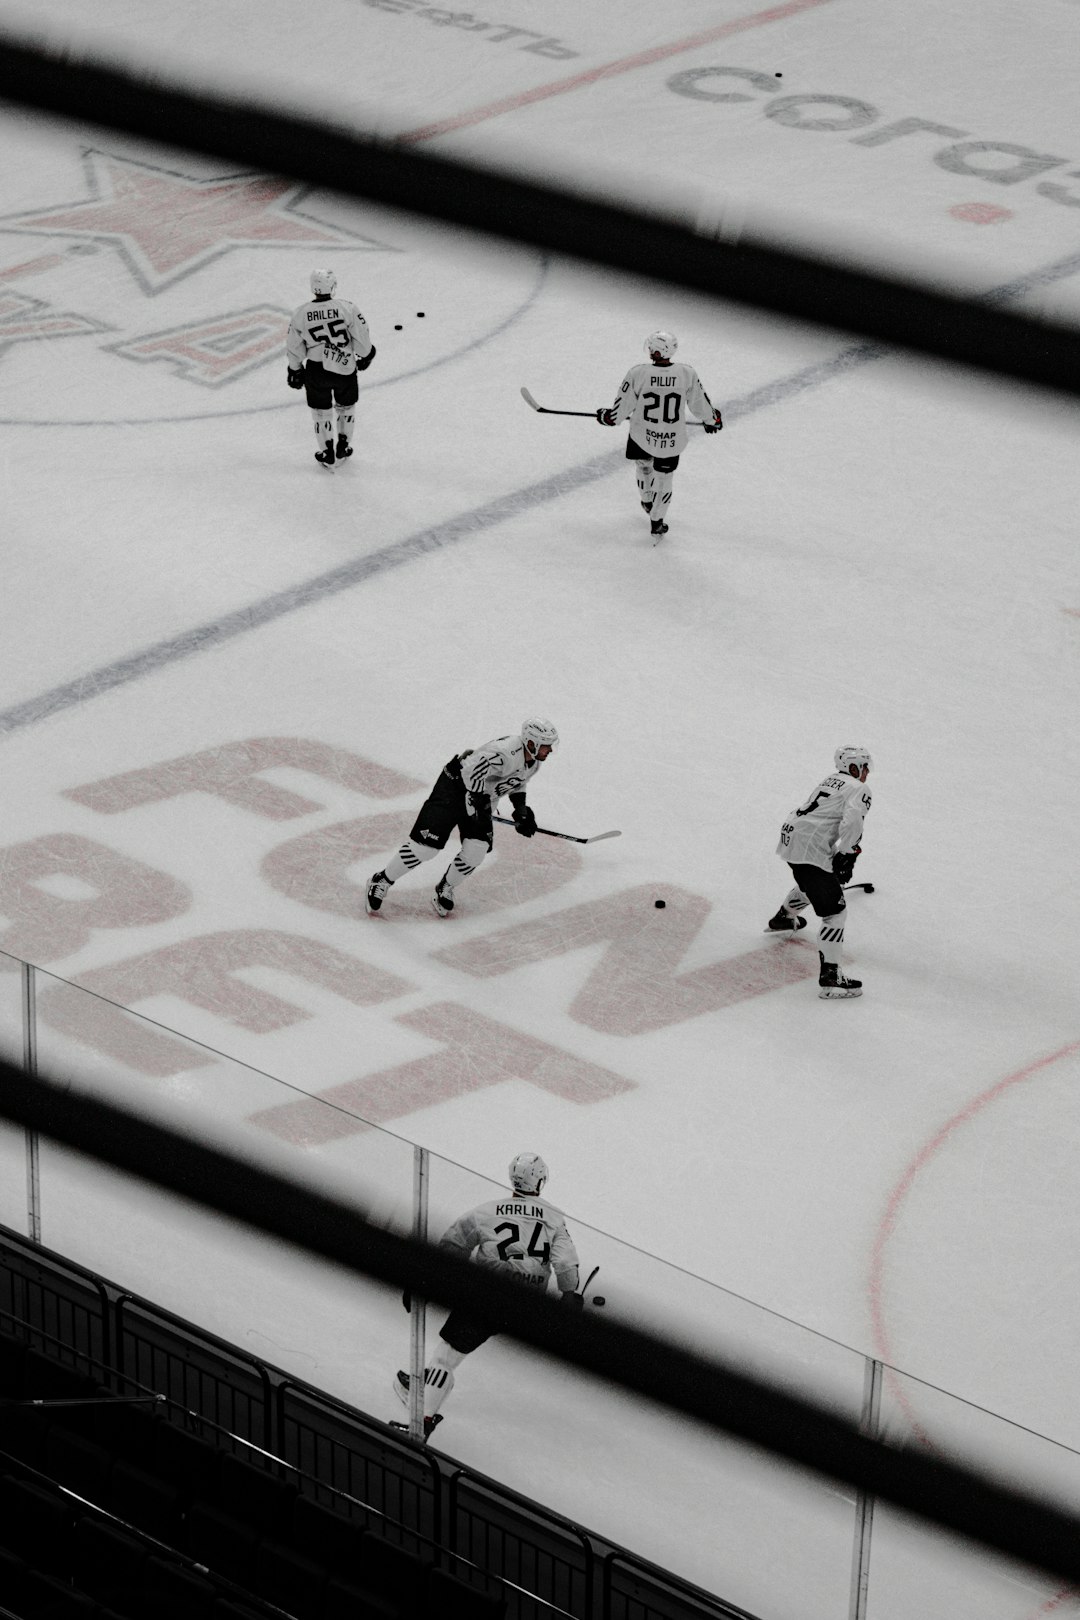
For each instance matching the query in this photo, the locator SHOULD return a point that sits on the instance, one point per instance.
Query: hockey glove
(714, 426)
(575, 1301)
(363, 361)
(844, 865)
(524, 820)
(296, 378)
(606, 416)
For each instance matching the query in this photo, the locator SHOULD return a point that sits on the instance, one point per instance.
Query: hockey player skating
(523, 1236)
(328, 344)
(654, 399)
(820, 842)
(464, 797)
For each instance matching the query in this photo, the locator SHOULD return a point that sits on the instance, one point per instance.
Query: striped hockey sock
(472, 853)
(831, 938)
(408, 858)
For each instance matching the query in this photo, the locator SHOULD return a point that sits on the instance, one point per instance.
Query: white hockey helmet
(662, 343)
(539, 732)
(528, 1172)
(850, 754)
(323, 283)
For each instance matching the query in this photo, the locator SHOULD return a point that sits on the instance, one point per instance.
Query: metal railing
(62, 1024)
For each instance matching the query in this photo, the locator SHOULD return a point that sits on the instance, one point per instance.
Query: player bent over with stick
(654, 399)
(464, 797)
(523, 1236)
(820, 842)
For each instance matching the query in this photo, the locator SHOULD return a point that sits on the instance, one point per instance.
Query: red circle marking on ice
(980, 213)
(891, 1218)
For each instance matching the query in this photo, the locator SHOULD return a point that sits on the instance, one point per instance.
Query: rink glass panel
(333, 1329)
(13, 1198)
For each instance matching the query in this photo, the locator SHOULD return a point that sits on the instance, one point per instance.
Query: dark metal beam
(788, 283)
(721, 1396)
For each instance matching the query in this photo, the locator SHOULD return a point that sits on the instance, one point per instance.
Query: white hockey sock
(472, 853)
(346, 421)
(438, 1382)
(323, 423)
(796, 901)
(408, 858)
(831, 938)
(662, 498)
(645, 481)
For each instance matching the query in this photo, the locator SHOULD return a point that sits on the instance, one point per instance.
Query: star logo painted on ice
(167, 225)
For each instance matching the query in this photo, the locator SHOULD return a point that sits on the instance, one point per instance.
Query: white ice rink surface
(228, 679)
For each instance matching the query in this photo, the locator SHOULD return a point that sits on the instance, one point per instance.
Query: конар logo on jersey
(166, 293)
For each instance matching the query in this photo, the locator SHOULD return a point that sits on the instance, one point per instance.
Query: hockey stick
(505, 821)
(597, 1299)
(546, 410)
(868, 887)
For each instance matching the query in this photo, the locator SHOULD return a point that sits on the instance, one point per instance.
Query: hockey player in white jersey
(327, 346)
(654, 399)
(465, 795)
(523, 1236)
(820, 840)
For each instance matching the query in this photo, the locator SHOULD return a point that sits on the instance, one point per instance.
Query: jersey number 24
(539, 1251)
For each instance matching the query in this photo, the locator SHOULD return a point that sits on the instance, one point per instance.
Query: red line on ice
(890, 1219)
(625, 64)
(899, 1193)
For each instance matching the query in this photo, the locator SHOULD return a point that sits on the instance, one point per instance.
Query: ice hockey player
(654, 399)
(523, 1236)
(820, 842)
(327, 345)
(465, 795)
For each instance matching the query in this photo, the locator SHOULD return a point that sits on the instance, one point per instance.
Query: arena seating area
(203, 1532)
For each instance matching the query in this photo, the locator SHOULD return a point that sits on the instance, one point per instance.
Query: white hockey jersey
(655, 400)
(828, 823)
(499, 767)
(331, 331)
(519, 1233)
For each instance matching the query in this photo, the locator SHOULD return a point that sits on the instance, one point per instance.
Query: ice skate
(659, 529)
(401, 1390)
(443, 899)
(326, 457)
(344, 449)
(785, 922)
(430, 1425)
(833, 986)
(377, 890)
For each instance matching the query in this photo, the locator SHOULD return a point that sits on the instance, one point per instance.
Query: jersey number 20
(652, 406)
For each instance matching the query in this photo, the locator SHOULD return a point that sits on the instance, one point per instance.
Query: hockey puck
(397, 328)
(599, 1299)
(419, 314)
(659, 904)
